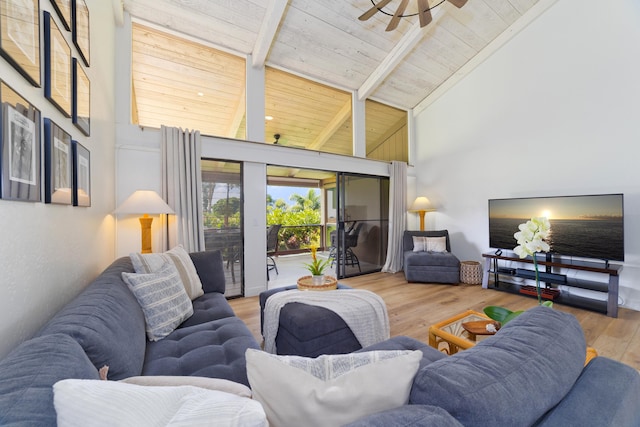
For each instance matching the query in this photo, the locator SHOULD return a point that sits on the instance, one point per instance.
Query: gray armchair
(429, 266)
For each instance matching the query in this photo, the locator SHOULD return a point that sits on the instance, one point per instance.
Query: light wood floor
(414, 307)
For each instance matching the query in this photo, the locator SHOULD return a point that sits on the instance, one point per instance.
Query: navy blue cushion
(535, 358)
(107, 322)
(215, 349)
(210, 269)
(27, 376)
(407, 416)
(208, 307)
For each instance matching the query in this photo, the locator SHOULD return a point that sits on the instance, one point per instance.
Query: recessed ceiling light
(200, 94)
(268, 117)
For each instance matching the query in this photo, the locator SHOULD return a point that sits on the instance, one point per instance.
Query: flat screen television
(589, 226)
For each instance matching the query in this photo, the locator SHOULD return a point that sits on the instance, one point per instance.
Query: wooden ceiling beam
(395, 57)
(331, 127)
(266, 35)
(237, 116)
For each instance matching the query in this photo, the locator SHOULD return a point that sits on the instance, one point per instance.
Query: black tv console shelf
(609, 288)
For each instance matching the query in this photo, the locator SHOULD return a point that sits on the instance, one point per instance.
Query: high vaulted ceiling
(325, 40)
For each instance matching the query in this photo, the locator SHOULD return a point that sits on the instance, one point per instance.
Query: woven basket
(470, 272)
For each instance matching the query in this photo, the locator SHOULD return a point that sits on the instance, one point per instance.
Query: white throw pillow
(331, 390)
(150, 263)
(436, 244)
(429, 244)
(163, 300)
(218, 384)
(97, 403)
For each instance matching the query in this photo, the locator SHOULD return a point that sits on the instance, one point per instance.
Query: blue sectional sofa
(530, 373)
(105, 325)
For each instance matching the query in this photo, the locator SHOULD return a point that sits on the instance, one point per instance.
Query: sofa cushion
(210, 268)
(107, 322)
(605, 395)
(150, 263)
(110, 403)
(535, 358)
(210, 306)
(29, 372)
(214, 349)
(330, 390)
(164, 301)
(431, 259)
(408, 416)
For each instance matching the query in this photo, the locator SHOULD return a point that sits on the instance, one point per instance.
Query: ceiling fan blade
(396, 16)
(424, 13)
(369, 13)
(458, 3)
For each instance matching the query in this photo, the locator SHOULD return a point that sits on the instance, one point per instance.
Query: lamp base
(422, 213)
(145, 224)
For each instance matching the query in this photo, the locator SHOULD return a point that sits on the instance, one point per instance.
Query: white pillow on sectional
(163, 300)
(81, 403)
(331, 390)
(150, 263)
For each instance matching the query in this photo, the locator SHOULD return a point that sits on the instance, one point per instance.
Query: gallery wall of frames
(39, 159)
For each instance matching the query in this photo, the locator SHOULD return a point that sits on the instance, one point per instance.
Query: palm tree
(311, 201)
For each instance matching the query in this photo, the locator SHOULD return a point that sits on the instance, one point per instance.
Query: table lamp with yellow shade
(145, 202)
(422, 205)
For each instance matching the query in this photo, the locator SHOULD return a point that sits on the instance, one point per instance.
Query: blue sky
(279, 192)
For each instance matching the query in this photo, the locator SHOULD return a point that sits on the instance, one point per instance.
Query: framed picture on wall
(58, 161)
(19, 147)
(63, 8)
(81, 175)
(81, 116)
(57, 66)
(81, 33)
(20, 37)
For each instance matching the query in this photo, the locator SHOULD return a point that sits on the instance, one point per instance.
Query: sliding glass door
(222, 211)
(359, 245)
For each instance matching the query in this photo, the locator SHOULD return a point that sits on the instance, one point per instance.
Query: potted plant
(317, 267)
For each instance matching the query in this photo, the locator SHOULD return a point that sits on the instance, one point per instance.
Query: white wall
(49, 253)
(554, 112)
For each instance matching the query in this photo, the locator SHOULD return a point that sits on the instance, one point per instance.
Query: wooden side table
(449, 336)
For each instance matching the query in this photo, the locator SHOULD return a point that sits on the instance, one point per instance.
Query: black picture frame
(81, 30)
(57, 66)
(58, 163)
(19, 147)
(81, 175)
(20, 37)
(81, 112)
(63, 8)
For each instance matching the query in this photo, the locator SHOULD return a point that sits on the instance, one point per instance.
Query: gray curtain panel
(397, 216)
(182, 188)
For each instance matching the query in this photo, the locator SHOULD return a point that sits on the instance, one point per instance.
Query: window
(181, 83)
(387, 135)
(307, 114)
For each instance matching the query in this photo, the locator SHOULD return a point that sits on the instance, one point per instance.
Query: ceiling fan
(424, 11)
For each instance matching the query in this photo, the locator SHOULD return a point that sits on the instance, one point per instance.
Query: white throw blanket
(364, 312)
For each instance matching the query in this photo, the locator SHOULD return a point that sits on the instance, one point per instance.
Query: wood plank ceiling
(321, 40)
